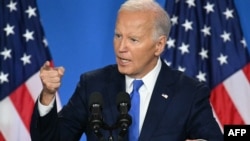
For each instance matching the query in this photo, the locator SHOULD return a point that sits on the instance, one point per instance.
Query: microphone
(124, 119)
(96, 120)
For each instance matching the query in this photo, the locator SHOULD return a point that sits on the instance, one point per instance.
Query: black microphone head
(123, 97)
(95, 118)
(123, 105)
(95, 98)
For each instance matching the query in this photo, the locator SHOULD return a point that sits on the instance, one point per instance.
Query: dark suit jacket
(186, 113)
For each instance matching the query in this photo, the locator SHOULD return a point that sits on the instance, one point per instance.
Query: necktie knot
(137, 84)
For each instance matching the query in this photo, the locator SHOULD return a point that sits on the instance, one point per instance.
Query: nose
(122, 46)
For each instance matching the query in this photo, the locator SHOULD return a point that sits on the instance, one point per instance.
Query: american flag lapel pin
(164, 96)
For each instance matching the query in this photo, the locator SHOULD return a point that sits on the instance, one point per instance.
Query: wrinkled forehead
(134, 19)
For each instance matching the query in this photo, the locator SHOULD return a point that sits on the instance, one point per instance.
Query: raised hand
(51, 81)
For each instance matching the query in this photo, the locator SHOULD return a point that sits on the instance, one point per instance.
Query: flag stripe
(34, 90)
(11, 124)
(1, 137)
(23, 103)
(223, 105)
(240, 94)
(246, 70)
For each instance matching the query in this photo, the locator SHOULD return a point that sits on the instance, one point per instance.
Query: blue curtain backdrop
(80, 35)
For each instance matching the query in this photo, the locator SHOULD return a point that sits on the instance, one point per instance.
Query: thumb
(46, 66)
(61, 70)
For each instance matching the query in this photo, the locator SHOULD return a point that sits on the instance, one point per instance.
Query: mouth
(123, 61)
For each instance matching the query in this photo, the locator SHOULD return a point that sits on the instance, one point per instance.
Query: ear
(160, 45)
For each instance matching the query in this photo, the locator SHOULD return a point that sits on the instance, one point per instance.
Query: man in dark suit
(173, 106)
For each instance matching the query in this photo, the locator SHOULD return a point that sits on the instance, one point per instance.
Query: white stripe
(34, 85)
(11, 126)
(238, 89)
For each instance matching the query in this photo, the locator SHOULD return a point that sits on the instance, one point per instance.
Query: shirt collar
(148, 80)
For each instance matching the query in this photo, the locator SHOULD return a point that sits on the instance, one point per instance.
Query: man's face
(136, 51)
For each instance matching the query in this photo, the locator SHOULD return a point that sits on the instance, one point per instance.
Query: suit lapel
(159, 102)
(115, 85)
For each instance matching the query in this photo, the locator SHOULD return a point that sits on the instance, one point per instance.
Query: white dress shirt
(145, 90)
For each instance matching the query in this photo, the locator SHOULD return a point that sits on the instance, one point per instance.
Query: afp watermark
(237, 132)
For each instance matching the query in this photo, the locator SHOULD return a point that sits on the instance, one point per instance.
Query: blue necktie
(135, 111)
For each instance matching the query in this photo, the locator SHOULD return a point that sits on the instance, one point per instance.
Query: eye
(117, 35)
(134, 40)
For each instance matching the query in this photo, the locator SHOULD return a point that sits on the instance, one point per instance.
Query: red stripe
(246, 70)
(224, 107)
(1, 137)
(23, 102)
(51, 63)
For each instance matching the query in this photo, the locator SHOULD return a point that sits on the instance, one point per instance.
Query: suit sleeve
(44, 128)
(202, 123)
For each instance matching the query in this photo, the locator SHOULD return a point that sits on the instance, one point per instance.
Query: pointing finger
(60, 70)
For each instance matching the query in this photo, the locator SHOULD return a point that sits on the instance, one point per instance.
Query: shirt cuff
(45, 109)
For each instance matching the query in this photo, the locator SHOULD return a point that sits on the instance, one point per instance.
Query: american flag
(206, 42)
(23, 50)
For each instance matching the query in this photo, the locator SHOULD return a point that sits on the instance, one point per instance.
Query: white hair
(162, 23)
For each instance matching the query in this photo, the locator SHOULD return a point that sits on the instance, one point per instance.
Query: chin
(123, 70)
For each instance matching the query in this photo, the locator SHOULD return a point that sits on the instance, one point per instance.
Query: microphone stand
(124, 129)
(99, 135)
(118, 124)
(96, 125)
(110, 138)
(110, 129)
(123, 120)
(122, 123)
